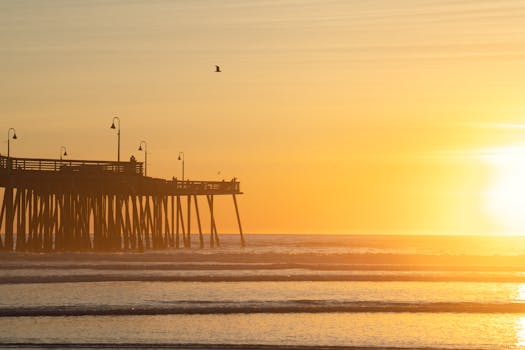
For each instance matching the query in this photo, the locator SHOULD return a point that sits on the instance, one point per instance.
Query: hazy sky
(336, 116)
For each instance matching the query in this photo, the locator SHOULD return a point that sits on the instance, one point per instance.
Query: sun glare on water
(505, 197)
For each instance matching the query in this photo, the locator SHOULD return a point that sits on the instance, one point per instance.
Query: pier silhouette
(86, 205)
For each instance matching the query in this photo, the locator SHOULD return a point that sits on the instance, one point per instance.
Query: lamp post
(8, 143)
(145, 155)
(63, 154)
(118, 135)
(182, 158)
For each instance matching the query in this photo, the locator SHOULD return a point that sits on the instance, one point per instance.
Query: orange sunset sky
(383, 117)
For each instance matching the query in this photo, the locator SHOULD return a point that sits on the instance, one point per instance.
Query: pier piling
(79, 205)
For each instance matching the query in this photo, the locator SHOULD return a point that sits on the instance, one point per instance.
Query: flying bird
(217, 69)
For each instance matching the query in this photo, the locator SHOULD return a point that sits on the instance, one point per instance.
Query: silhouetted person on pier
(132, 166)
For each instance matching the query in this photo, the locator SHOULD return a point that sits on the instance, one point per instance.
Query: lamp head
(179, 157)
(65, 153)
(113, 125)
(14, 136)
(140, 147)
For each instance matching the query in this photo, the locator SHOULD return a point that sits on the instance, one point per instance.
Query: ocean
(278, 292)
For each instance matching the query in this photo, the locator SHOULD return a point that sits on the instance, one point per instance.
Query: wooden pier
(81, 205)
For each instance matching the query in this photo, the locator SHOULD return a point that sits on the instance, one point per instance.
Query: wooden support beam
(55, 209)
(33, 221)
(29, 219)
(116, 243)
(201, 238)
(243, 243)
(56, 219)
(181, 218)
(111, 221)
(19, 244)
(127, 226)
(2, 219)
(9, 218)
(90, 222)
(42, 244)
(214, 237)
(137, 224)
(165, 217)
(172, 244)
(177, 224)
(41, 223)
(189, 221)
(149, 223)
(212, 222)
(154, 222)
(60, 234)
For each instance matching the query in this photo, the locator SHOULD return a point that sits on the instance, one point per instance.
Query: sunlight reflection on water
(521, 293)
(520, 322)
(412, 330)
(520, 333)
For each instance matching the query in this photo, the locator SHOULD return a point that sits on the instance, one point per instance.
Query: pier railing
(95, 168)
(232, 186)
(84, 166)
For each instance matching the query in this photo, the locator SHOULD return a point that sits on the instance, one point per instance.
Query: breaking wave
(191, 307)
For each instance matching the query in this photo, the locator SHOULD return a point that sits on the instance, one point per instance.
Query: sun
(505, 197)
